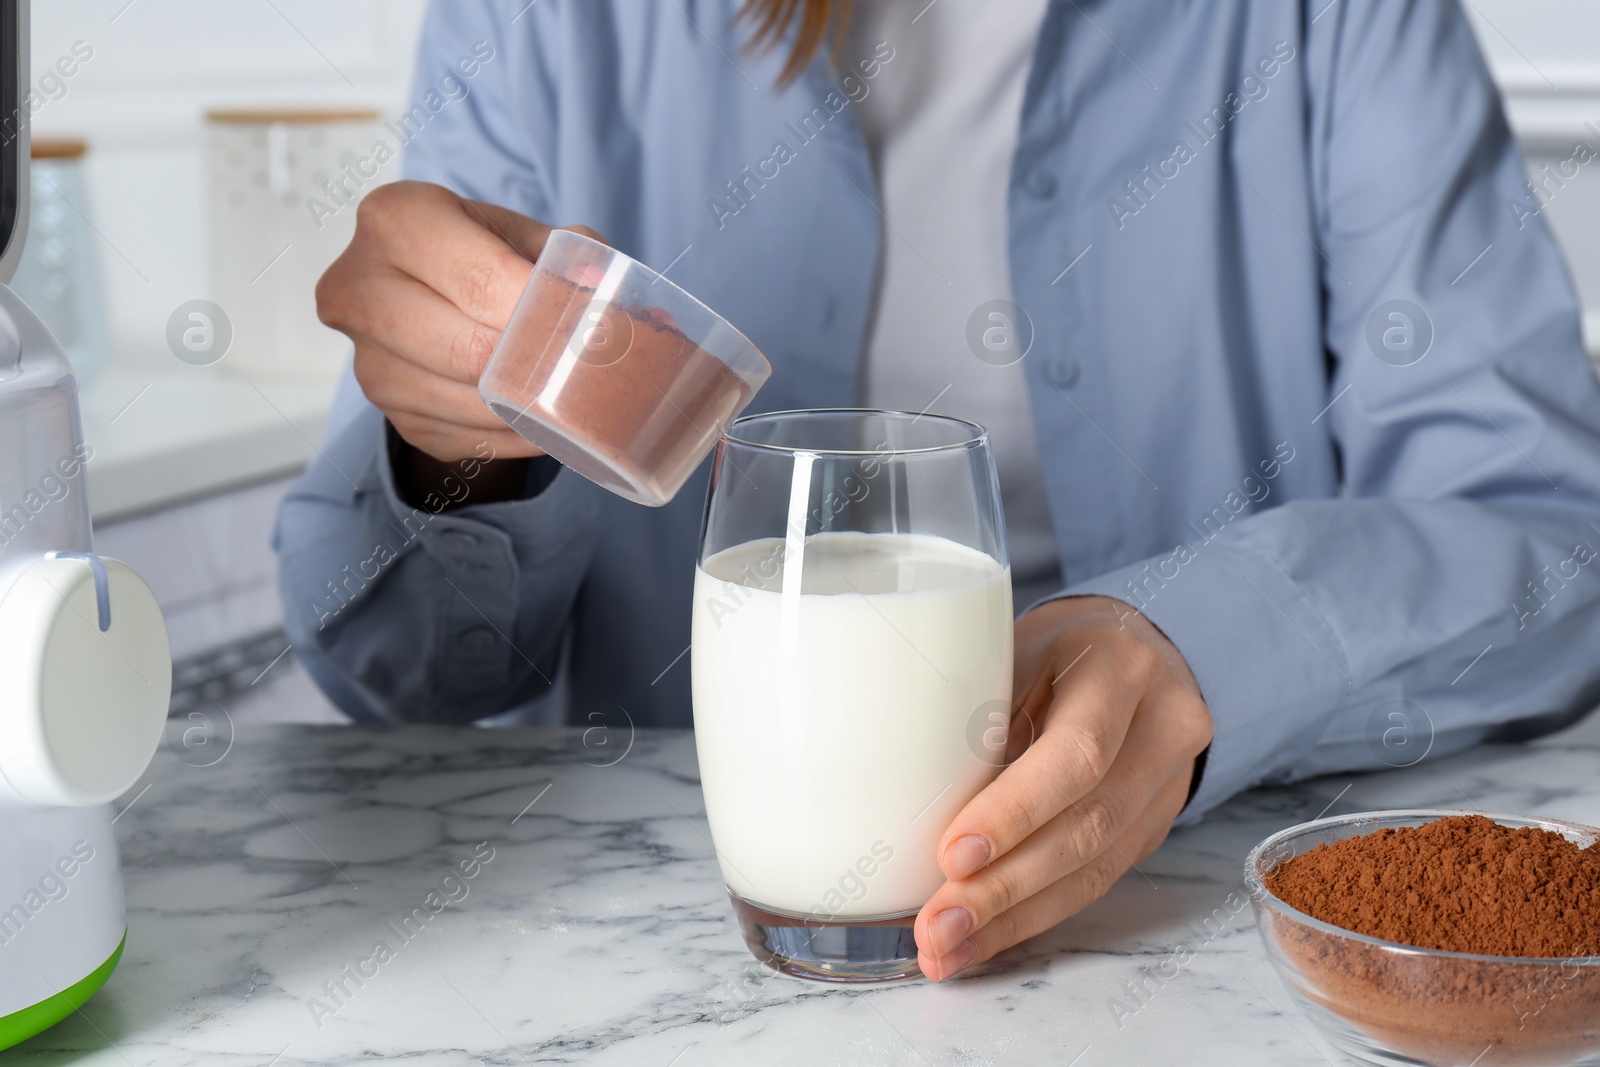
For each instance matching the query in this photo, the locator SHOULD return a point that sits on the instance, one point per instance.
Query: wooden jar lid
(270, 115)
(57, 147)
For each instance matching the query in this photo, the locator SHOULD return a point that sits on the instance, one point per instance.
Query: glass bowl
(1385, 1003)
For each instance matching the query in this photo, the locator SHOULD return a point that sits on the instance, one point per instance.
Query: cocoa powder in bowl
(617, 393)
(1463, 885)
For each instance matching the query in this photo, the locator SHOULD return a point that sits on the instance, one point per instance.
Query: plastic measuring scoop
(616, 372)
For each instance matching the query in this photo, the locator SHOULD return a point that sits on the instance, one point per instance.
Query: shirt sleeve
(1452, 593)
(414, 613)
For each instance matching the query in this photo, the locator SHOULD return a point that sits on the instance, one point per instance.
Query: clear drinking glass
(851, 665)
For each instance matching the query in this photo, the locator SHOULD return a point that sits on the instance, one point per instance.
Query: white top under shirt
(941, 121)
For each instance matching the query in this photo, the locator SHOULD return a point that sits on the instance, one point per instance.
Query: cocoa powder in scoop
(625, 396)
(1460, 884)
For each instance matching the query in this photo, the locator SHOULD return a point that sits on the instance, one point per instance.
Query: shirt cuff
(1196, 777)
(1268, 664)
(496, 560)
(539, 471)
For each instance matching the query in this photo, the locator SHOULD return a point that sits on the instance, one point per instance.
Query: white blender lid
(85, 680)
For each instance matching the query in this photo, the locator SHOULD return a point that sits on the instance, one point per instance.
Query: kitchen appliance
(85, 668)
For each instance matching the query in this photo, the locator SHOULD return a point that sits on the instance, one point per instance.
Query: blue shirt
(1306, 378)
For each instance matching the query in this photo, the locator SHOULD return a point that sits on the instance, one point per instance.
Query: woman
(1294, 426)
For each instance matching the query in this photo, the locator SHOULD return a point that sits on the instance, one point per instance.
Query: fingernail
(948, 928)
(966, 855)
(958, 960)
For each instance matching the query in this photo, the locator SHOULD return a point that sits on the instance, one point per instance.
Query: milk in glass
(834, 701)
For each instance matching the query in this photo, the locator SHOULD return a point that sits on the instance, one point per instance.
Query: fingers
(587, 232)
(422, 373)
(400, 387)
(424, 289)
(1029, 716)
(403, 318)
(1099, 788)
(1037, 914)
(477, 256)
(1082, 733)
(418, 361)
(527, 236)
(447, 442)
(1077, 837)
(1060, 899)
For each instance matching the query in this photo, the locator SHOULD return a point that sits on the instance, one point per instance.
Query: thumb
(523, 234)
(587, 232)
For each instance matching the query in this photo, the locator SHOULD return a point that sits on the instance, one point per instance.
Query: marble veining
(343, 895)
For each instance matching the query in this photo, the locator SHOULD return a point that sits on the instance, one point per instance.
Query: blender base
(37, 1018)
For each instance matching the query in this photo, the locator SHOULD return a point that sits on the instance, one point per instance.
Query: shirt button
(477, 639)
(459, 540)
(1042, 183)
(1062, 372)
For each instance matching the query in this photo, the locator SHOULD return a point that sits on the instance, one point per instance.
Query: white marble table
(598, 932)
